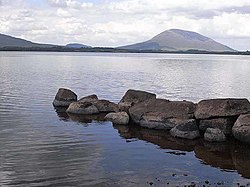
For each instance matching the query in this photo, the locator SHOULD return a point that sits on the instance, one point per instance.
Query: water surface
(40, 147)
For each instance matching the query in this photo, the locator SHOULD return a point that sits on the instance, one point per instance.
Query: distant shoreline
(117, 50)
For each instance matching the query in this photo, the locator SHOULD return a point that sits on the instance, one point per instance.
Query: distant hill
(77, 46)
(179, 40)
(9, 41)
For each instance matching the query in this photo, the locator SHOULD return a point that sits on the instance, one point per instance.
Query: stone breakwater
(213, 119)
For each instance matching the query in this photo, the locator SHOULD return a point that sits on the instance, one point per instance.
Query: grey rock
(64, 97)
(221, 108)
(214, 135)
(133, 97)
(161, 113)
(119, 118)
(86, 108)
(105, 106)
(241, 128)
(187, 129)
(89, 98)
(224, 124)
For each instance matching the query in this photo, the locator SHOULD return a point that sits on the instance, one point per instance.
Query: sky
(120, 22)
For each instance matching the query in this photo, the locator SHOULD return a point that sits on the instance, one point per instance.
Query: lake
(44, 147)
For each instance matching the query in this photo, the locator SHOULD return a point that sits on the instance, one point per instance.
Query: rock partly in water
(119, 118)
(105, 106)
(161, 113)
(89, 98)
(86, 108)
(214, 135)
(241, 128)
(187, 129)
(224, 124)
(133, 97)
(64, 97)
(221, 108)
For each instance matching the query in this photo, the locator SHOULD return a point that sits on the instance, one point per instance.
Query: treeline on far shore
(116, 50)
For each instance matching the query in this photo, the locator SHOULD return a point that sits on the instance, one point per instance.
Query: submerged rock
(133, 97)
(241, 128)
(64, 97)
(161, 113)
(86, 108)
(119, 118)
(214, 135)
(221, 108)
(224, 124)
(187, 129)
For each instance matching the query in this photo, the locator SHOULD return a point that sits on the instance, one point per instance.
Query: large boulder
(119, 118)
(214, 135)
(161, 113)
(187, 129)
(241, 128)
(105, 106)
(221, 108)
(64, 97)
(86, 108)
(224, 124)
(89, 98)
(132, 97)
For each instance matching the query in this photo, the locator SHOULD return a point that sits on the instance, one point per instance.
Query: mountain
(9, 41)
(77, 46)
(180, 40)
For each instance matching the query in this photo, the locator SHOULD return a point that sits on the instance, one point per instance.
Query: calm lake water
(42, 147)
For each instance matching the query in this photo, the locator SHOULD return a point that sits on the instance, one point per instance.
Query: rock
(105, 106)
(224, 124)
(120, 118)
(161, 113)
(214, 135)
(132, 97)
(241, 128)
(90, 98)
(187, 129)
(86, 108)
(221, 108)
(64, 97)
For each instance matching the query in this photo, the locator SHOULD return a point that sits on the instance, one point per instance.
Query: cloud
(116, 23)
(69, 4)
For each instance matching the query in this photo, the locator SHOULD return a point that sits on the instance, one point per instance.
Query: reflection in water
(230, 155)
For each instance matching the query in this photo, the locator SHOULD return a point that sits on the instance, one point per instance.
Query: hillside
(180, 40)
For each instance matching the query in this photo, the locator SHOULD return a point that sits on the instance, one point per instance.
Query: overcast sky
(121, 22)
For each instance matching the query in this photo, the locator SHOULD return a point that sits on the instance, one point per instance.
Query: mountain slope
(179, 40)
(77, 46)
(9, 41)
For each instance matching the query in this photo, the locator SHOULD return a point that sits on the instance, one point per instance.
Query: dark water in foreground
(40, 147)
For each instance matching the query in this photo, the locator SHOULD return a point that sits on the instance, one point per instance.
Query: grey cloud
(242, 10)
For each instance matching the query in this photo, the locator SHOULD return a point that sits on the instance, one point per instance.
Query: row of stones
(184, 119)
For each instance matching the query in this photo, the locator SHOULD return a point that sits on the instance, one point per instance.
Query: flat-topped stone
(161, 113)
(64, 97)
(133, 97)
(241, 128)
(221, 108)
